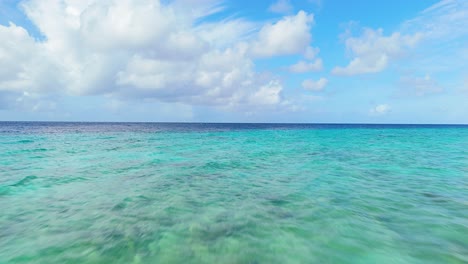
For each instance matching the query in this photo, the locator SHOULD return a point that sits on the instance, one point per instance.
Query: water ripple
(139, 193)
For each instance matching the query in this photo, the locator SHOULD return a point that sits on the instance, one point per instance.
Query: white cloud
(303, 66)
(224, 78)
(445, 36)
(373, 51)
(420, 86)
(312, 85)
(15, 52)
(24, 79)
(441, 27)
(145, 49)
(290, 35)
(223, 34)
(380, 109)
(311, 52)
(268, 94)
(445, 21)
(281, 7)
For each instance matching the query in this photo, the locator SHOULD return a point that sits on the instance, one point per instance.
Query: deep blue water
(63, 127)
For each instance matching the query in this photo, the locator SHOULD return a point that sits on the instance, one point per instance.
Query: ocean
(233, 193)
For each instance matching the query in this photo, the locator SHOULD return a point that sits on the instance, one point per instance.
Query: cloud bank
(146, 49)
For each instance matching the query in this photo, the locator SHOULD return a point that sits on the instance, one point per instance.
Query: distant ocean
(233, 193)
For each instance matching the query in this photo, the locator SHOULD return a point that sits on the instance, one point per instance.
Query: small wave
(24, 141)
(222, 165)
(25, 181)
(4, 190)
(11, 189)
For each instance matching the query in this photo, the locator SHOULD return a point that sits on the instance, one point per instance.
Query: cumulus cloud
(268, 94)
(380, 109)
(303, 66)
(146, 49)
(312, 85)
(290, 35)
(281, 7)
(14, 61)
(373, 51)
(419, 86)
(21, 61)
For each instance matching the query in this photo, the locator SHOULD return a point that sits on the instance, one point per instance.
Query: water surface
(233, 193)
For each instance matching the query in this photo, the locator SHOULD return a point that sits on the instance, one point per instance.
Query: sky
(299, 61)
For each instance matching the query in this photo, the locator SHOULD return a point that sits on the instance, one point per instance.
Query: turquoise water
(187, 193)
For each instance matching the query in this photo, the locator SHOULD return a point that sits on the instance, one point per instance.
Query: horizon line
(265, 123)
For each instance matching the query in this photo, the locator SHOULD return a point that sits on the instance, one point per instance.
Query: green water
(234, 196)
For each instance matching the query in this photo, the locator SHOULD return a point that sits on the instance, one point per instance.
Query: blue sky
(234, 61)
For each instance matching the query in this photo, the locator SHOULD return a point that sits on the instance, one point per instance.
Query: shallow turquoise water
(77, 193)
